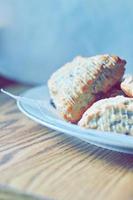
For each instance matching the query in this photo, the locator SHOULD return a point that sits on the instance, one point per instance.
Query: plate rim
(46, 123)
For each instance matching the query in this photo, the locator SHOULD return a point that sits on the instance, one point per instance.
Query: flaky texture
(75, 86)
(127, 85)
(113, 114)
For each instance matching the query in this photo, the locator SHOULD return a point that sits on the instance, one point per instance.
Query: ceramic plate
(47, 116)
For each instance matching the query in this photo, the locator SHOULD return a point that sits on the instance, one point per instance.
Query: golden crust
(74, 87)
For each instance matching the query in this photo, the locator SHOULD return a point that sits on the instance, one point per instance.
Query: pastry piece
(75, 86)
(113, 92)
(127, 85)
(113, 114)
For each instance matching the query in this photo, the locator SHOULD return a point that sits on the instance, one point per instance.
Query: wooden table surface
(39, 163)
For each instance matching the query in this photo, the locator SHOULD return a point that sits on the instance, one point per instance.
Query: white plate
(48, 116)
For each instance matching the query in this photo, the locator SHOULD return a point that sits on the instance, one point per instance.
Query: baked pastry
(75, 86)
(127, 85)
(113, 92)
(113, 114)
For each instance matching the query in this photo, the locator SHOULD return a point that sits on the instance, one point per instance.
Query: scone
(113, 114)
(74, 87)
(127, 85)
(113, 92)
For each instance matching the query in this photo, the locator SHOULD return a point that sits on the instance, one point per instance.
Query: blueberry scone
(75, 86)
(127, 85)
(113, 114)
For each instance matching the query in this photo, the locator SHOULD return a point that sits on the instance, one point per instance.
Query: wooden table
(45, 163)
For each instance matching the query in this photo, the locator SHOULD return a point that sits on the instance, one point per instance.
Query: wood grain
(7, 193)
(44, 162)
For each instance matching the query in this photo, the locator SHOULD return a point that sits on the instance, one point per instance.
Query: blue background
(38, 36)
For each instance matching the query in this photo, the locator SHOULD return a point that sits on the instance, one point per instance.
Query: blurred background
(38, 36)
